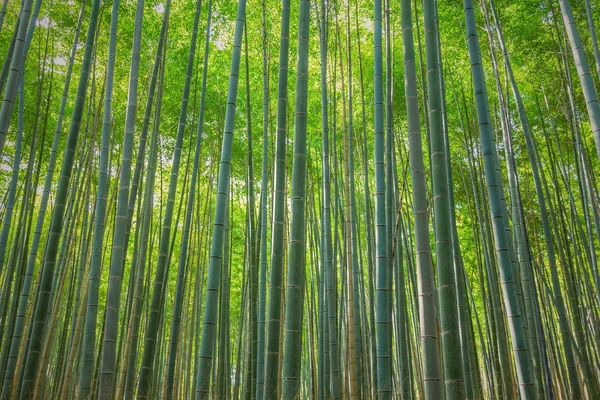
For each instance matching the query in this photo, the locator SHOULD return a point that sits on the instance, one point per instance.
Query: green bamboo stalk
(354, 297)
(371, 376)
(382, 312)
(583, 70)
(9, 353)
(15, 72)
(222, 377)
(99, 227)
(518, 221)
(262, 299)
(32, 258)
(592, 27)
(113, 296)
(41, 314)
(494, 189)
(214, 272)
(400, 310)
(448, 313)
(330, 275)
(3, 13)
(183, 252)
(12, 189)
(294, 301)
(162, 266)
(346, 221)
(573, 349)
(131, 354)
(10, 204)
(8, 58)
(252, 238)
(277, 232)
(420, 213)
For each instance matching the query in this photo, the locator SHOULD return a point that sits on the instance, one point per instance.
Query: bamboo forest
(311, 199)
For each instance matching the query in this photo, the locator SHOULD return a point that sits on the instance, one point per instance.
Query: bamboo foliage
(435, 226)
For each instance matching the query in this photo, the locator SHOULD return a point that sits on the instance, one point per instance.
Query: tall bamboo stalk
(214, 272)
(494, 189)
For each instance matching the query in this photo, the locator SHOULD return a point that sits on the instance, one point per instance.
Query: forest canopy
(316, 199)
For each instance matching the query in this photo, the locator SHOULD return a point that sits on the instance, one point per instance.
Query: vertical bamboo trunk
(99, 226)
(11, 350)
(277, 232)
(294, 309)
(252, 238)
(183, 252)
(583, 70)
(526, 269)
(356, 265)
(453, 377)
(214, 271)
(262, 300)
(371, 349)
(494, 189)
(421, 221)
(49, 262)
(384, 384)
(15, 72)
(157, 303)
(592, 27)
(330, 275)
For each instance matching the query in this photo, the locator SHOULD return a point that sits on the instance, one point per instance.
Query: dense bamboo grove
(300, 199)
